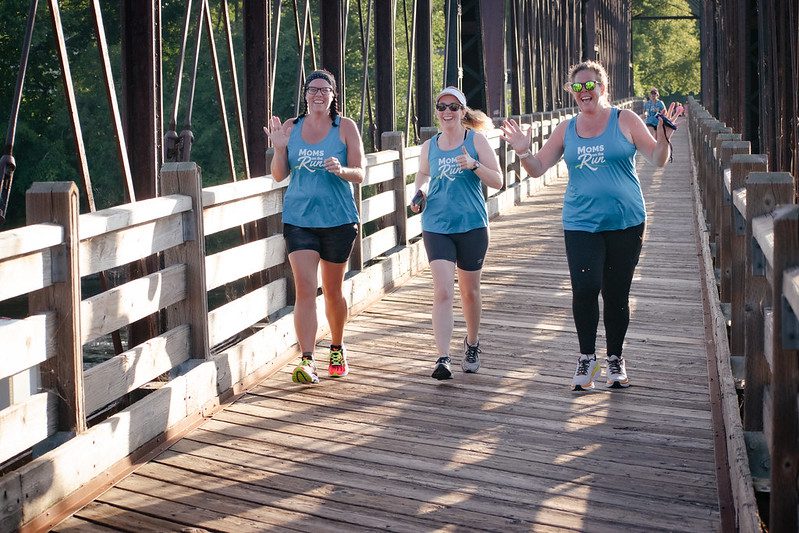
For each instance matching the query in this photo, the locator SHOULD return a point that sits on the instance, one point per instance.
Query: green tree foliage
(665, 52)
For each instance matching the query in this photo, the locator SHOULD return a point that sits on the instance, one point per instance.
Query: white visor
(454, 91)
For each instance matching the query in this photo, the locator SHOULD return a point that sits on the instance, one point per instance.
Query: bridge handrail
(754, 239)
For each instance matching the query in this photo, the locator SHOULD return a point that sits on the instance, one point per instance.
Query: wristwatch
(476, 165)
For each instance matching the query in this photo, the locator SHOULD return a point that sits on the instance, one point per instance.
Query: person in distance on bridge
(652, 107)
(603, 210)
(453, 166)
(323, 154)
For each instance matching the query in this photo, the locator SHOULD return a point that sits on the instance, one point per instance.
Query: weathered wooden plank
(125, 216)
(26, 342)
(381, 172)
(222, 216)
(133, 368)
(28, 239)
(30, 272)
(26, 423)
(131, 301)
(123, 246)
(241, 313)
(378, 242)
(377, 206)
(236, 263)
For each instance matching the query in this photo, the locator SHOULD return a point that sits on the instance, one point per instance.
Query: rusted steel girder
(424, 62)
(331, 37)
(143, 116)
(483, 36)
(385, 78)
(141, 92)
(258, 79)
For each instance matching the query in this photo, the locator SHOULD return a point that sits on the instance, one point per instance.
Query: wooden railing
(753, 236)
(68, 432)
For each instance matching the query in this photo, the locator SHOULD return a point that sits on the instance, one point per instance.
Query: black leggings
(603, 261)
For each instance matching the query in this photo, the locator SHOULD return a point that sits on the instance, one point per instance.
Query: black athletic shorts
(333, 244)
(467, 250)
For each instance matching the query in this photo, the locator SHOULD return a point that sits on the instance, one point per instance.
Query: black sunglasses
(454, 106)
(589, 85)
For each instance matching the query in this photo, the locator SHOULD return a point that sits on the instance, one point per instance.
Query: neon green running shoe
(305, 372)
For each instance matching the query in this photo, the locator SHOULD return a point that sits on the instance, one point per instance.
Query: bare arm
(279, 135)
(488, 170)
(423, 174)
(535, 164)
(655, 149)
(356, 158)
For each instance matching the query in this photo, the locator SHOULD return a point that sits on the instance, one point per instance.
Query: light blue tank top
(455, 202)
(316, 198)
(652, 109)
(603, 193)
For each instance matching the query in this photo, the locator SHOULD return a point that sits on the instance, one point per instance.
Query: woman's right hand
(513, 135)
(277, 132)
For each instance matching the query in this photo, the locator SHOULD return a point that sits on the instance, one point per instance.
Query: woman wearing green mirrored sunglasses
(603, 210)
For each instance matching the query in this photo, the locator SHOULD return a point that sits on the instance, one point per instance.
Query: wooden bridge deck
(509, 448)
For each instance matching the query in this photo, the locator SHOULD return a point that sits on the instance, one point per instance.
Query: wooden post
(740, 167)
(704, 130)
(508, 176)
(727, 151)
(356, 257)
(539, 119)
(713, 191)
(427, 133)
(184, 178)
(764, 191)
(784, 497)
(57, 203)
(395, 140)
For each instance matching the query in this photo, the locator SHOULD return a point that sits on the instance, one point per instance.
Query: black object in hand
(667, 122)
(419, 200)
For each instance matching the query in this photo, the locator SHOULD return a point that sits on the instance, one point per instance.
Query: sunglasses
(452, 107)
(323, 90)
(577, 87)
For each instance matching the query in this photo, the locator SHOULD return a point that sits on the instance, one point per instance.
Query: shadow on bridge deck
(509, 448)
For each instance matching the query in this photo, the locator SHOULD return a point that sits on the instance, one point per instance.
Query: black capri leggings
(602, 262)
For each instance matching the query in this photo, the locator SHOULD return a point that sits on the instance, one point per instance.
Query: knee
(470, 295)
(333, 294)
(585, 290)
(305, 291)
(443, 294)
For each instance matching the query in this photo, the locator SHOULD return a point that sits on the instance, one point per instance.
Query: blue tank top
(603, 193)
(455, 202)
(316, 198)
(652, 109)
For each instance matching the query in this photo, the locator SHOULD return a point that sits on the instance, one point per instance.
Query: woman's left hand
(671, 114)
(465, 161)
(333, 165)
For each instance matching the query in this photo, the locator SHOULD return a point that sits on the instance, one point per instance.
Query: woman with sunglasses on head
(323, 154)
(603, 210)
(652, 108)
(453, 165)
